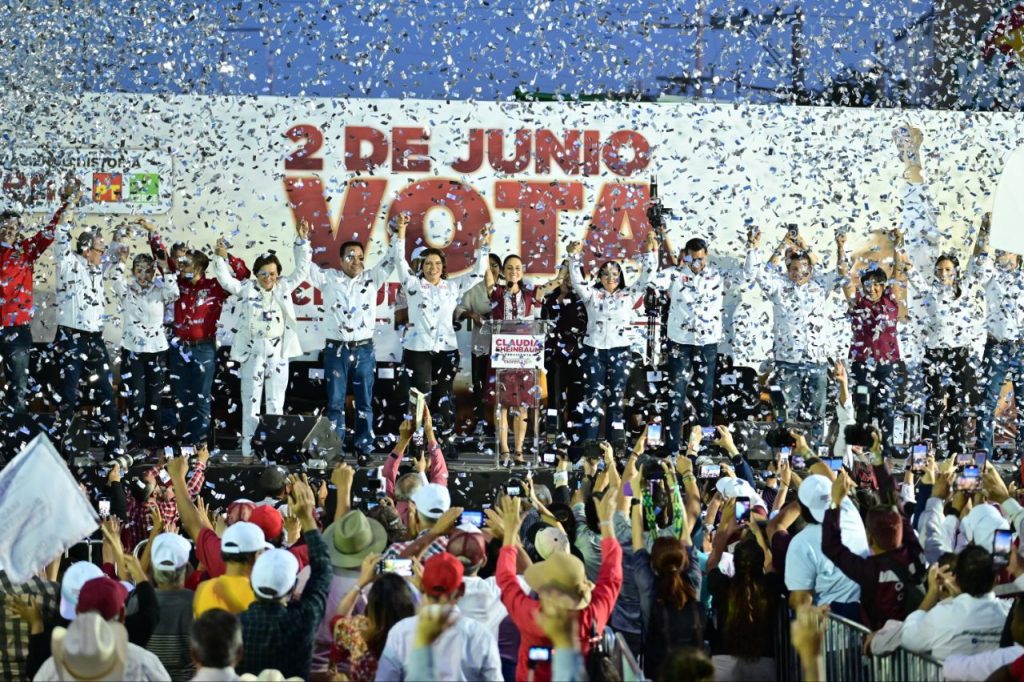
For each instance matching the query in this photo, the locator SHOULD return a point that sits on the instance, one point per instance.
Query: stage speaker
(294, 439)
(753, 436)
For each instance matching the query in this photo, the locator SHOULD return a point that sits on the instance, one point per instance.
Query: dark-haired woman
(607, 358)
(265, 340)
(431, 353)
(513, 300)
(359, 640)
(876, 365)
(141, 299)
(668, 579)
(745, 605)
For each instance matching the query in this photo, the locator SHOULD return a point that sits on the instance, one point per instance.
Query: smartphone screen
(402, 567)
(104, 508)
(742, 509)
(188, 451)
(834, 463)
(165, 477)
(472, 516)
(513, 491)
(654, 435)
(980, 457)
(709, 434)
(919, 457)
(785, 453)
(824, 452)
(968, 479)
(709, 471)
(964, 460)
(799, 463)
(550, 458)
(539, 654)
(1002, 544)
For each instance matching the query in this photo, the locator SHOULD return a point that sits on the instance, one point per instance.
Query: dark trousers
(691, 374)
(606, 373)
(433, 374)
(1004, 360)
(480, 367)
(142, 381)
(192, 368)
(565, 394)
(15, 352)
(950, 384)
(878, 394)
(84, 353)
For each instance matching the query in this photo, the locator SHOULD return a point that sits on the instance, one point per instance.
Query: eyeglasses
(264, 274)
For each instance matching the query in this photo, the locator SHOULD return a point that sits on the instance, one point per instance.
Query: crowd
(690, 552)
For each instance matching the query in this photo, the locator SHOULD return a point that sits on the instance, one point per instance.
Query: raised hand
(221, 249)
(303, 229)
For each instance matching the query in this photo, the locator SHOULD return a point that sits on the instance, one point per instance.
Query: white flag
(43, 510)
(1009, 206)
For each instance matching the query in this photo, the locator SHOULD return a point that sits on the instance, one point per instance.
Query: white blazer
(249, 297)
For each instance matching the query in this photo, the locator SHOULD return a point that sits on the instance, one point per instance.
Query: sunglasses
(264, 274)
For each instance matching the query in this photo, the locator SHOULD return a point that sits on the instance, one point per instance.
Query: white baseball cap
(243, 537)
(78, 574)
(432, 500)
(170, 551)
(274, 574)
(550, 540)
(815, 493)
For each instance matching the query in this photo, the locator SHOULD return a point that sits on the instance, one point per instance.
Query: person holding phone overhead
(876, 365)
(266, 338)
(431, 353)
(606, 357)
(515, 300)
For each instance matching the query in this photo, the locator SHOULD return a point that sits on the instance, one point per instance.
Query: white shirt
(807, 567)
(477, 300)
(482, 602)
(978, 667)
(961, 625)
(696, 304)
(80, 296)
(465, 651)
(350, 303)
(610, 316)
(141, 665)
(142, 310)
(801, 329)
(432, 306)
(1004, 298)
(267, 320)
(216, 675)
(948, 321)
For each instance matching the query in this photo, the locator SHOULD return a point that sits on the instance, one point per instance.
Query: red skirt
(518, 388)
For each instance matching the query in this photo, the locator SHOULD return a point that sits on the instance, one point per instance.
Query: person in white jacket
(266, 339)
(142, 298)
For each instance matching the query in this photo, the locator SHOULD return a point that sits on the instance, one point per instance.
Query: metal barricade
(845, 660)
(626, 662)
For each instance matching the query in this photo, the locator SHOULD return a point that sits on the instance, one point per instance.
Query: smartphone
(798, 463)
(964, 460)
(708, 434)
(513, 491)
(1002, 545)
(742, 510)
(980, 457)
(164, 477)
(539, 654)
(968, 479)
(550, 458)
(918, 457)
(785, 453)
(402, 567)
(709, 471)
(654, 435)
(168, 452)
(824, 452)
(188, 451)
(104, 508)
(472, 516)
(834, 463)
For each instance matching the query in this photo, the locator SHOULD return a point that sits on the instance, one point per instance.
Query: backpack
(913, 589)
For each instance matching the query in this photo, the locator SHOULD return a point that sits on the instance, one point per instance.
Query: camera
(515, 487)
(860, 435)
(779, 437)
(124, 461)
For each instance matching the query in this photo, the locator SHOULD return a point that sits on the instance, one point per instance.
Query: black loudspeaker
(292, 439)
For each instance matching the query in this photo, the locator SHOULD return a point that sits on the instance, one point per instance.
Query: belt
(351, 344)
(188, 344)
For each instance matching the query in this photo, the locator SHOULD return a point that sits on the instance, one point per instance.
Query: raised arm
(221, 270)
(843, 270)
(579, 284)
(480, 270)
(405, 273)
(648, 262)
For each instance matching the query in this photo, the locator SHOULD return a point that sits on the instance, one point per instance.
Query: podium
(517, 359)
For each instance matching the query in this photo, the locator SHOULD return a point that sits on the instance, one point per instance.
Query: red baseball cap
(469, 547)
(104, 595)
(442, 575)
(269, 520)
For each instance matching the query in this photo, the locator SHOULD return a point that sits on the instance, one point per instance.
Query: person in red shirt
(18, 255)
(875, 362)
(560, 578)
(192, 357)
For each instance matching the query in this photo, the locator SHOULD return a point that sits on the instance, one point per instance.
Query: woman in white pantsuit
(265, 340)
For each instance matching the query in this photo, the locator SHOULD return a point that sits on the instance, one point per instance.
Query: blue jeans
(85, 353)
(343, 365)
(1003, 360)
(804, 388)
(683, 362)
(605, 373)
(192, 367)
(15, 351)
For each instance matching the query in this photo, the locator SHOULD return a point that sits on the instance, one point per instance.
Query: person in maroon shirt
(875, 362)
(18, 256)
(192, 357)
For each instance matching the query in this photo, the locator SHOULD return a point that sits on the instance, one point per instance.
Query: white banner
(517, 351)
(44, 511)
(540, 175)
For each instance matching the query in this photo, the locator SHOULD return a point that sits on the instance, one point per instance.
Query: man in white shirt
(969, 623)
(696, 292)
(800, 332)
(80, 319)
(465, 651)
(350, 316)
